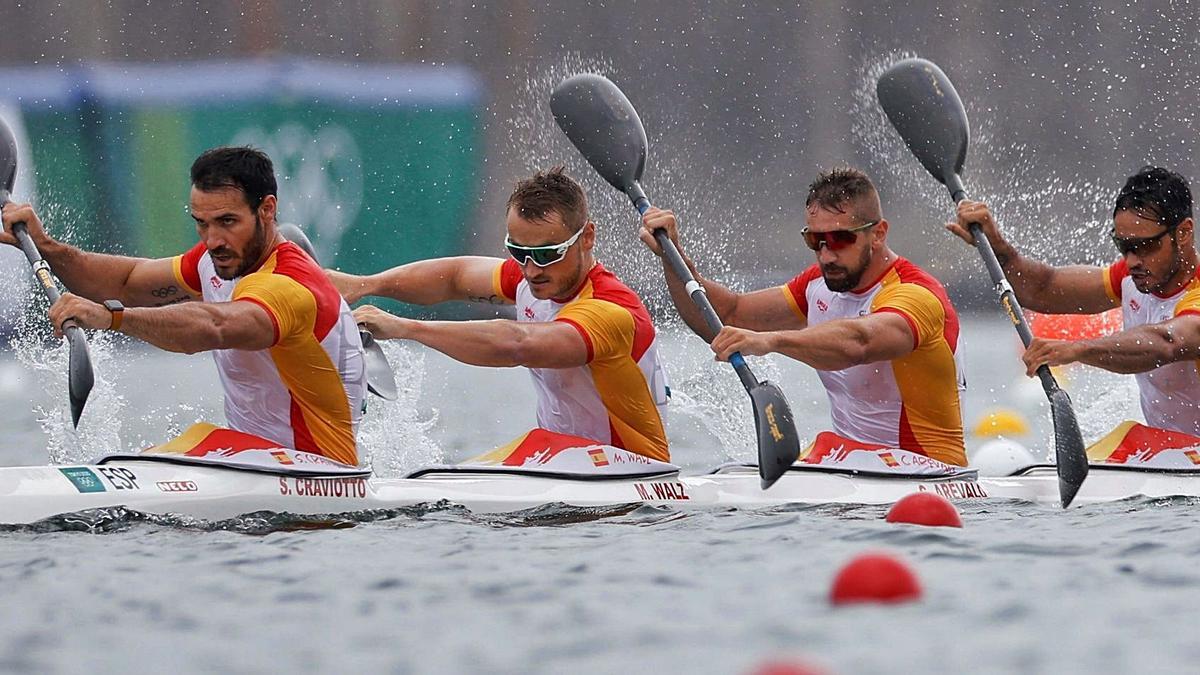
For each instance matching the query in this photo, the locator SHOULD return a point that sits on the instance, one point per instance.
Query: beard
(844, 278)
(1148, 285)
(250, 256)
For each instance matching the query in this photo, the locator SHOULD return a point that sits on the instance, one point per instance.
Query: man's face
(1155, 262)
(842, 269)
(233, 233)
(556, 280)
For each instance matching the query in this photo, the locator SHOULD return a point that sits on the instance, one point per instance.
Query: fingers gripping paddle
(380, 379)
(923, 106)
(80, 377)
(603, 125)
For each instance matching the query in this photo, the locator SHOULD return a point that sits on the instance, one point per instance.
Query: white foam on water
(395, 435)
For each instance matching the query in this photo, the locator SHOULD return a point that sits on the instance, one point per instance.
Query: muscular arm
(426, 282)
(761, 310)
(197, 327)
(833, 345)
(1136, 350)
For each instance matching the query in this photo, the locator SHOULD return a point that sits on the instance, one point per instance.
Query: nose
(825, 254)
(528, 268)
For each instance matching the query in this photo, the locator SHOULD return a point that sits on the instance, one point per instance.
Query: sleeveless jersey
(912, 402)
(615, 397)
(1170, 394)
(306, 390)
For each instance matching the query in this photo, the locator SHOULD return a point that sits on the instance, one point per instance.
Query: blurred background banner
(380, 164)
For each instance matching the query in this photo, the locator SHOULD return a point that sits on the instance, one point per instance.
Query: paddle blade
(8, 159)
(778, 442)
(79, 372)
(924, 107)
(603, 125)
(1070, 454)
(380, 379)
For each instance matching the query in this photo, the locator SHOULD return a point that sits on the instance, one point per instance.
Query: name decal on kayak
(673, 491)
(346, 488)
(956, 489)
(177, 486)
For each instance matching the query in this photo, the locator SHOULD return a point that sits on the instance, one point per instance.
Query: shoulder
(1114, 276)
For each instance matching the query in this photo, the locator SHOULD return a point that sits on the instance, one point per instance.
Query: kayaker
(880, 331)
(1154, 282)
(284, 341)
(586, 338)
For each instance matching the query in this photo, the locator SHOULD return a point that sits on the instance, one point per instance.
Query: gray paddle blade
(603, 125)
(80, 377)
(924, 107)
(8, 159)
(1069, 450)
(380, 379)
(778, 444)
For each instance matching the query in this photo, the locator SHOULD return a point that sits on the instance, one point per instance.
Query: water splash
(394, 436)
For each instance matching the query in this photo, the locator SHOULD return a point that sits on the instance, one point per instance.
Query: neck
(879, 264)
(1187, 272)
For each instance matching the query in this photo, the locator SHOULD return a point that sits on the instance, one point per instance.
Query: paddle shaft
(695, 290)
(1008, 297)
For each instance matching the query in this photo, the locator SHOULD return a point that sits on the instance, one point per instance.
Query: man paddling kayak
(585, 336)
(284, 341)
(860, 306)
(1154, 282)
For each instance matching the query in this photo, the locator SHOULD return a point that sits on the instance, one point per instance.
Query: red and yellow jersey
(306, 390)
(1171, 393)
(615, 398)
(913, 402)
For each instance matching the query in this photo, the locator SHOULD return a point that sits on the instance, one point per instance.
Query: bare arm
(426, 282)
(1136, 350)
(766, 309)
(189, 328)
(1075, 289)
(136, 282)
(498, 343)
(833, 345)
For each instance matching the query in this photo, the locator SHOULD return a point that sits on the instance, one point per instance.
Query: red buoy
(786, 667)
(875, 577)
(925, 508)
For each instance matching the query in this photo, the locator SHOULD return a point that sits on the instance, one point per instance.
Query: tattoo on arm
(489, 300)
(169, 296)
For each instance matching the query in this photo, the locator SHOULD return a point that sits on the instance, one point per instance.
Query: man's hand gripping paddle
(79, 366)
(603, 125)
(923, 106)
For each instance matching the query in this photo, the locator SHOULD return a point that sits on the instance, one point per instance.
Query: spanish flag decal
(889, 459)
(1192, 455)
(598, 457)
(282, 457)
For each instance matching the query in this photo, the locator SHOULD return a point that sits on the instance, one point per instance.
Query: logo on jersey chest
(215, 281)
(821, 305)
(1134, 304)
(528, 312)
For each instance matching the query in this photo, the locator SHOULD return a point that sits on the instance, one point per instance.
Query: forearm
(95, 276)
(496, 343)
(722, 299)
(834, 345)
(1137, 350)
(187, 328)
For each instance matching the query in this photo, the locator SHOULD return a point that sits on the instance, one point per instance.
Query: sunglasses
(1139, 246)
(835, 240)
(542, 256)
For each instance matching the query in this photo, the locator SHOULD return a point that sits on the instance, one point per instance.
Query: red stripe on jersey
(190, 266)
(293, 262)
(606, 286)
(912, 325)
(510, 276)
(270, 313)
(798, 286)
(911, 274)
(907, 437)
(302, 438)
(1116, 274)
(587, 340)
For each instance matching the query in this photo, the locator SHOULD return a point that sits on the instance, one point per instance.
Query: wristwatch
(118, 313)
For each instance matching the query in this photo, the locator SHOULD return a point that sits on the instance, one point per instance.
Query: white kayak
(287, 481)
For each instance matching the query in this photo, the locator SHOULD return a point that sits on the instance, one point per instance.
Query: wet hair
(1159, 193)
(551, 191)
(836, 189)
(244, 168)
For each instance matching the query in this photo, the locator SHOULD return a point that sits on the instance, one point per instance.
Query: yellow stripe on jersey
(609, 327)
(791, 299)
(1190, 302)
(177, 268)
(927, 377)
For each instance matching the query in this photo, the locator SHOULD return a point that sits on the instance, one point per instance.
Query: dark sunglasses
(835, 240)
(1139, 245)
(542, 256)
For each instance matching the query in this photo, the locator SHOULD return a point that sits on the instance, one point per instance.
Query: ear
(1186, 231)
(881, 230)
(267, 209)
(588, 238)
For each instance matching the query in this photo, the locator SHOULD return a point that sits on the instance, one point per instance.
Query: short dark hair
(535, 197)
(1156, 192)
(834, 189)
(245, 168)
